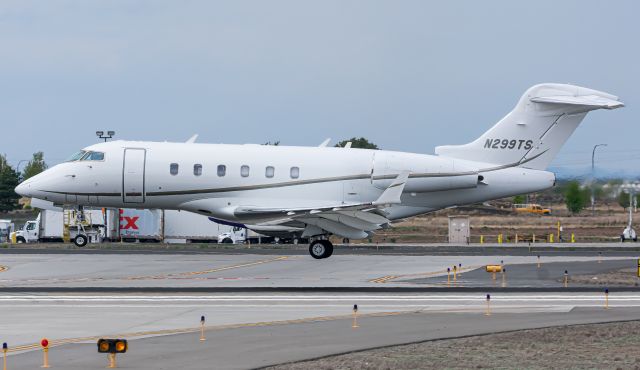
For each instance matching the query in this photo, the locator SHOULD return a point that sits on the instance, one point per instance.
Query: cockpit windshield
(84, 155)
(76, 156)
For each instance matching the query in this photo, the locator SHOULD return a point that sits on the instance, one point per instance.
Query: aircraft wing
(351, 220)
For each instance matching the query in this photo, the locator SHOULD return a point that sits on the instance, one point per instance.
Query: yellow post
(112, 361)
(573, 238)
(533, 238)
(550, 238)
(5, 348)
(481, 239)
(455, 275)
(504, 277)
(499, 238)
(355, 316)
(202, 338)
(488, 311)
(45, 360)
(606, 298)
(516, 240)
(566, 278)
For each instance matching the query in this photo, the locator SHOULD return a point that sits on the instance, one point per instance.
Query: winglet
(192, 139)
(325, 143)
(392, 194)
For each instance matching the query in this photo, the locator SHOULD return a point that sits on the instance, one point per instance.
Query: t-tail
(534, 131)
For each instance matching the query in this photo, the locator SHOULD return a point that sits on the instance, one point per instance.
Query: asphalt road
(529, 275)
(276, 308)
(267, 344)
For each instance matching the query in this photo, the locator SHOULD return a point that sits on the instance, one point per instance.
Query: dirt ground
(605, 226)
(594, 346)
(623, 277)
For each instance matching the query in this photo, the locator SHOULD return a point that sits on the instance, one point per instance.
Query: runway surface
(241, 270)
(248, 330)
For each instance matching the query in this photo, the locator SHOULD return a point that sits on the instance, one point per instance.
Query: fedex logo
(130, 222)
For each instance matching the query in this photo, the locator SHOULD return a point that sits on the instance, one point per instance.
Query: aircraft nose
(24, 189)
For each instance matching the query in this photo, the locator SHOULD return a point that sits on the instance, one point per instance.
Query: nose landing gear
(320, 248)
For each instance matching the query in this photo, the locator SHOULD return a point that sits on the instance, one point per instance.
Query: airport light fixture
(593, 178)
(109, 135)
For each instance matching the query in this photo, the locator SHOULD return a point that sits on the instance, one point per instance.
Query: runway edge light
(5, 348)
(44, 343)
(202, 320)
(355, 316)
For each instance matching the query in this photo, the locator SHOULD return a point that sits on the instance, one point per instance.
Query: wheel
(80, 240)
(329, 249)
(227, 241)
(20, 240)
(317, 249)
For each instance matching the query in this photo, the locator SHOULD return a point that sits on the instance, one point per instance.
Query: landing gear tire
(80, 240)
(321, 249)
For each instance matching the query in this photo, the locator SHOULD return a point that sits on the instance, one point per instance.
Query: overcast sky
(408, 75)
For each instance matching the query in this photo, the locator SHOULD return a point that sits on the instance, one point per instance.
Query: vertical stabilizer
(534, 131)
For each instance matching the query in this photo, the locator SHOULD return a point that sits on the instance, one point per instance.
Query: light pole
(101, 135)
(18, 167)
(593, 178)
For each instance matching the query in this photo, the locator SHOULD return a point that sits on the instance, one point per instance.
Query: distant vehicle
(531, 208)
(49, 227)
(241, 235)
(6, 229)
(324, 191)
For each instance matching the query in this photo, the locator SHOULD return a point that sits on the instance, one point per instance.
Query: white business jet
(321, 191)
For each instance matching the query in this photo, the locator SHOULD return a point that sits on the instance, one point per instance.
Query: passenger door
(133, 175)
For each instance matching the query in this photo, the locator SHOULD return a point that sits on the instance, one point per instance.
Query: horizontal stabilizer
(594, 101)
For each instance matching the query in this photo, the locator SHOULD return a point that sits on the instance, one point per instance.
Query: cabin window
(269, 172)
(295, 172)
(173, 169)
(222, 170)
(197, 169)
(244, 171)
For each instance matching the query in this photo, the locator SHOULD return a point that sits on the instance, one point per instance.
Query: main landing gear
(320, 249)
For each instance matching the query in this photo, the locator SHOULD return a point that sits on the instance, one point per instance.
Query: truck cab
(30, 232)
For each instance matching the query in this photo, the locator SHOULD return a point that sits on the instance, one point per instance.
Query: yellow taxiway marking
(58, 342)
(388, 278)
(191, 273)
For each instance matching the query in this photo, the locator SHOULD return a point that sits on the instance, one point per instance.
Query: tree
(358, 143)
(623, 199)
(8, 181)
(575, 198)
(518, 199)
(35, 166)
